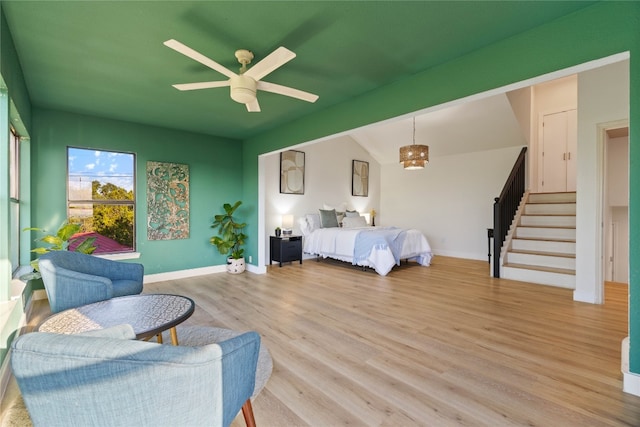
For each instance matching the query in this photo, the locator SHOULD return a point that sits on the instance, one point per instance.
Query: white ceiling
(485, 124)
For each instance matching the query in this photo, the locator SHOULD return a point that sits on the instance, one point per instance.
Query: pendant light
(414, 156)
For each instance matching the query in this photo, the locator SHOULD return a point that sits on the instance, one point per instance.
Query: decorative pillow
(352, 214)
(354, 221)
(328, 218)
(340, 216)
(313, 221)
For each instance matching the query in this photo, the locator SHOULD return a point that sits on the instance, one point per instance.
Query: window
(14, 200)
(101, 197)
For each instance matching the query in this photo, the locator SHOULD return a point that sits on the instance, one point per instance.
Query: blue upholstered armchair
(108, 379)
(72, 279)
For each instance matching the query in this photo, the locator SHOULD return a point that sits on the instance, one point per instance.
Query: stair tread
(548, 226)
(546, 239)
(543, 253)
(551, 202)
(549, 214)
(539, 268)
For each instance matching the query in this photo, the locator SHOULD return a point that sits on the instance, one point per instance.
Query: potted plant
(58, 242)
(230, 238)
(278, 231)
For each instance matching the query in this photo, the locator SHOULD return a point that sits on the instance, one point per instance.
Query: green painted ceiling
(107, 58)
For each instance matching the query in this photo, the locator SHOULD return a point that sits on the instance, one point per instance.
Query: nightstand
(285, 249)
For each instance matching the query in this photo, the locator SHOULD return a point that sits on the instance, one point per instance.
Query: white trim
(193, 272)
(631, 383)
(119, 256)
(183, 274)
(585, 297)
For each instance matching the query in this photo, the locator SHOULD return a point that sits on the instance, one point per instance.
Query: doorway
(616, 204)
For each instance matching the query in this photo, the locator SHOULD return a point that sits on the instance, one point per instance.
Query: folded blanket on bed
(380, 238)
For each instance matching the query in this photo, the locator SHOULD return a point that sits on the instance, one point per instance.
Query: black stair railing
(505, 207)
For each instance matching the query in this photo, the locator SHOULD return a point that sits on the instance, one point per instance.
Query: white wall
(327, 181)
(549, 97)
(603, 96)
(450, 201)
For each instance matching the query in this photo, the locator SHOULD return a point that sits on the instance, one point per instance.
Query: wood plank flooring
(439, 346)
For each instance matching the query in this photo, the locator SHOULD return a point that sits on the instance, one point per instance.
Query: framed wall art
(292, 172)
(360, 178)
(167, 201)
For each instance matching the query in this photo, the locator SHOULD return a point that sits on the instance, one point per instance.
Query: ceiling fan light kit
(244, 85)
(243, 89)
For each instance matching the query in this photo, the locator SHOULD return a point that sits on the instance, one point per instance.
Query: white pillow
(354, 221)
(313, 221)
(304, 226)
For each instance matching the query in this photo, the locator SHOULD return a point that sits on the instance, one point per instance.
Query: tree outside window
(101, 197)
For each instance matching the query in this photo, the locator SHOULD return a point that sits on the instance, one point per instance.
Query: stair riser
(540, 277)
(544, 246)
(550, 221)
(552, 197)
(546, 233)
(542, 260)
(550, 208)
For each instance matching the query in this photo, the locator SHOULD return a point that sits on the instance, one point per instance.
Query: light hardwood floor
(437, 346)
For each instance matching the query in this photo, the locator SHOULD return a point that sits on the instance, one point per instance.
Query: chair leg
(247, 411)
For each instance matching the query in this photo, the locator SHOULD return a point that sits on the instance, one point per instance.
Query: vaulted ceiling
(107, 59)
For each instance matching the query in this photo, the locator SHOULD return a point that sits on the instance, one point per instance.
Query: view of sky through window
(86, 166)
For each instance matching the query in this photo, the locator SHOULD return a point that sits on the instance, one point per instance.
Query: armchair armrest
(67, 288)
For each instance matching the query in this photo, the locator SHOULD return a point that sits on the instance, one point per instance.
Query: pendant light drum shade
(414, 156)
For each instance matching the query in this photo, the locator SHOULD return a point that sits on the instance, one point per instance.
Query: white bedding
(340, 244)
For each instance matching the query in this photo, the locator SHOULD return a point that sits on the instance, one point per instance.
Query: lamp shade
(287, 222)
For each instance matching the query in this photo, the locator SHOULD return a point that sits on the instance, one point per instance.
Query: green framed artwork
(167, 201)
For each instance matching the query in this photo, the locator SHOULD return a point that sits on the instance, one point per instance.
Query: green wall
(592, 33)
(11, 73)
(214, 167)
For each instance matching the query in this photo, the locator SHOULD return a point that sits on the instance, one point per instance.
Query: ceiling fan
(247, 82)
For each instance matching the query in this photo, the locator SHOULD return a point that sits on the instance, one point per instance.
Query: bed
(380, 248)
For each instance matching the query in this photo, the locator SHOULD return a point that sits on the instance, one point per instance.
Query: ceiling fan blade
(274, 60)
(287, 91)
(253, 106)
(197, 56)
(202, 85)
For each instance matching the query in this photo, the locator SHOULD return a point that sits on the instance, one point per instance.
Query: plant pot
(235, 266)
(278, 232)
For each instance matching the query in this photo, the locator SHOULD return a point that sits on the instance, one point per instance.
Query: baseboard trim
(588, 297)
(183, 274)
(202, 271)
(631, 383)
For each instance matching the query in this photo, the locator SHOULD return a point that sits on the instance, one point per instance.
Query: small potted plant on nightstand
(278, 231)
(230, 238)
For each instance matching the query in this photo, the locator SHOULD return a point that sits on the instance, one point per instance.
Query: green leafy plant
(230, 236)
(59, 242)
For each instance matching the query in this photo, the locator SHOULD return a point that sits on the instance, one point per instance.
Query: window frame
(124, 202)
(14, 199)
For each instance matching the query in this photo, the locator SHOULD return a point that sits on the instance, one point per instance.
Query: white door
(559, 143)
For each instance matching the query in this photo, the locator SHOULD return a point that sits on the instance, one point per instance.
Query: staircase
(541, 247)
